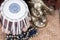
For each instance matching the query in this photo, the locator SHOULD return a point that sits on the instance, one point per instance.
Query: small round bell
(38, 16)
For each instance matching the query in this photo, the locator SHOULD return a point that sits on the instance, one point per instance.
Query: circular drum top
(14, 10)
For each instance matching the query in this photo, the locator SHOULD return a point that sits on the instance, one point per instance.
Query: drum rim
(24, 16)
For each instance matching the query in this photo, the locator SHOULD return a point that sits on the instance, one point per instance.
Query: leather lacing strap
(0, 21)
(24, 36)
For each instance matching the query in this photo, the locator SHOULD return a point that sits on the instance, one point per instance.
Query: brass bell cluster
(38, 11)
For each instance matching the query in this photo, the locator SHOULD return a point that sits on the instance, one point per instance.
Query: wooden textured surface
(50, 32)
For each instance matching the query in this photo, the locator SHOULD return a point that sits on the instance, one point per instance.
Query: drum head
(14, 10)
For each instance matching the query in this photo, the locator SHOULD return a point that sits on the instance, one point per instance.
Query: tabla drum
(15, 16)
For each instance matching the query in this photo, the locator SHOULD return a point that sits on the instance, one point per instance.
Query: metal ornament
(20, 20)
(38, 11)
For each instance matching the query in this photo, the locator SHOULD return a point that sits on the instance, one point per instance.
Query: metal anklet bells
(20, 20)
